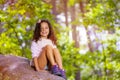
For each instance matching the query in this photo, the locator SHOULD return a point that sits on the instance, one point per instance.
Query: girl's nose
(43, 29)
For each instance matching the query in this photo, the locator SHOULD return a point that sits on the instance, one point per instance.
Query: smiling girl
(44, 50)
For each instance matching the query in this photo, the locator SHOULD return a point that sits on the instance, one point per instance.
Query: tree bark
(74, 32)
(54, 12)
(1, 29)
(89, 41)
(65, 12)
(81, 5)
(74, 36)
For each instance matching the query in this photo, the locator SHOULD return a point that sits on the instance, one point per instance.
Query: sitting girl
(44, 50)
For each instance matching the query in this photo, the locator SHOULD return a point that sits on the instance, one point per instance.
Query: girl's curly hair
(37, 30)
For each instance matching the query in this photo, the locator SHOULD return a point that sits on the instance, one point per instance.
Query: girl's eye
(46, 28)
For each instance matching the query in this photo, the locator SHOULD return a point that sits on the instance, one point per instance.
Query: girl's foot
(63, 74)
(55, 70)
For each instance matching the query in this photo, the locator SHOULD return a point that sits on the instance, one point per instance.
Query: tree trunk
(74, 36)
(1, 29)
(54, 12)
(74, 32)
(81, 5)
(89, 41)
(65, 12)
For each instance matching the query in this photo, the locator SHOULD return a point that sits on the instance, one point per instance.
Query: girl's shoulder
(33, 42)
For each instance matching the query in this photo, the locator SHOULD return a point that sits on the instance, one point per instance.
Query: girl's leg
(50, 55)
(59, 62)
(58, 58)
(46, 54)
(42, 60)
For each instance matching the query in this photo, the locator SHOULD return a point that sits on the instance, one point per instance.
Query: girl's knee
(48, 47)
(55, 49)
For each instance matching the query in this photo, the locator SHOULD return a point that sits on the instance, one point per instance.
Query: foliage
(102, 13)
(18, 20)
(93, 65)
(69, 54)
(103, 65)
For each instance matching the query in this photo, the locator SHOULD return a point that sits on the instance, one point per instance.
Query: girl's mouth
(44, 32)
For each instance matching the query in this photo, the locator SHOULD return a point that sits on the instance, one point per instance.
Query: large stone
(18, 68)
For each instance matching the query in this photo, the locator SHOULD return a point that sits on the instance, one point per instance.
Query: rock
(18, 68)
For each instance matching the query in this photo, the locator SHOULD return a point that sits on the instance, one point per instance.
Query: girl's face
(44, 30)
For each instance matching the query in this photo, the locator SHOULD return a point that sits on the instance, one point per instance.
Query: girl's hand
(38, 70)
(36, 64)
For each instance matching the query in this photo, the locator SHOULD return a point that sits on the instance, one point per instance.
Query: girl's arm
(36, 64)
(35, 53)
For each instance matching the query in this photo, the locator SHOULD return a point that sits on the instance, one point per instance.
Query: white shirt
(36, 47)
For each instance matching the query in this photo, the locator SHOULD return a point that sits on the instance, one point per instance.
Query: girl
(44, 50)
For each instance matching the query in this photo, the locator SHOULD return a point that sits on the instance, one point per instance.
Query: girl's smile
(44, 30)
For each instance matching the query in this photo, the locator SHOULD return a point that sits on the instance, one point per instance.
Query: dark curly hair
(37, 30)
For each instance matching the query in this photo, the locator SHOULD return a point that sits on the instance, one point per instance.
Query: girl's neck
(43, 37)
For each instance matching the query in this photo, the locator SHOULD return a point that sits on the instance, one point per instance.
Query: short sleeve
(35, 49)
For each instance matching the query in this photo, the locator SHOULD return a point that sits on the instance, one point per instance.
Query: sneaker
(63, 74)
(55, 70)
